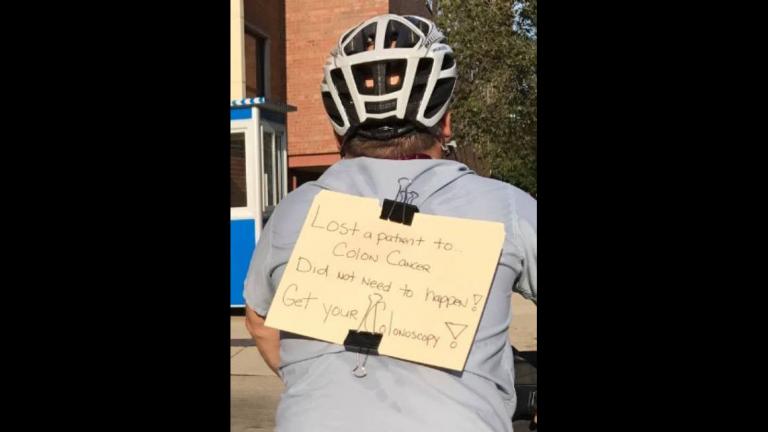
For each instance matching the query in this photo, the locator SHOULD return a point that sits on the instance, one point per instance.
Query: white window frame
(253, 208)
(283, 150)
(280, 170)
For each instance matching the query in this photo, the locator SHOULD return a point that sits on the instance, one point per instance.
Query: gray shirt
(321, 394)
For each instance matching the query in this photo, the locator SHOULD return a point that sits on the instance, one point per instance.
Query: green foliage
(494, 111)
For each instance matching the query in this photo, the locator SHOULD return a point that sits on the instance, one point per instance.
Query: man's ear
(446, 126)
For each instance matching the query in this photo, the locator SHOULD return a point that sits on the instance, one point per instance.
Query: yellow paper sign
(422, 286)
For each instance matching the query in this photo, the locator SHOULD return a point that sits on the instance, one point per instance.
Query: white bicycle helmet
(388, 76)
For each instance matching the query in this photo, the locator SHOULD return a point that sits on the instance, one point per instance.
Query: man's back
(321, 391)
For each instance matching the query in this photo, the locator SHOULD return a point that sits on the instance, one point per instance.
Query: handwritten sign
(422, 286)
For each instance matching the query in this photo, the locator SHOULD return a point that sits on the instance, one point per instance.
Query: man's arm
(267, 339)
(527, 238)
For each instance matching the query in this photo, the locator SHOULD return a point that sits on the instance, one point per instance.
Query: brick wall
(312, 28)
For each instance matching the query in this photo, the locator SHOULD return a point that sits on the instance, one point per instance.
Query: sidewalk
(255, 390)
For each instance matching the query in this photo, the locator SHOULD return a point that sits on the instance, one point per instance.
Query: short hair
(395, 148)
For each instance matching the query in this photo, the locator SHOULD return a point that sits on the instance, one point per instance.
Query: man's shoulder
(301, 196)
(486, 187)
(290, 213)
(491, 199)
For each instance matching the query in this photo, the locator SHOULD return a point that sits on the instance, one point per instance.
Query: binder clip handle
(401, 209)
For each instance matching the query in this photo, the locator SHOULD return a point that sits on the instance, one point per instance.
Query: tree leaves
(494, 109)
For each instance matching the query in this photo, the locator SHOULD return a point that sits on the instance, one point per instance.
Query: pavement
(255, 389)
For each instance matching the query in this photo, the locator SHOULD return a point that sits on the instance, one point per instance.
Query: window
(255, 65)
(237, 188)
(282, 187)
(274, 175)
(268, 147)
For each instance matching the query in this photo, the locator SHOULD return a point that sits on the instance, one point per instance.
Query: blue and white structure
(258, 178)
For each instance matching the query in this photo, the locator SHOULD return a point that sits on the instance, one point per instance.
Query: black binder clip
(362, 342)
(401, 210)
